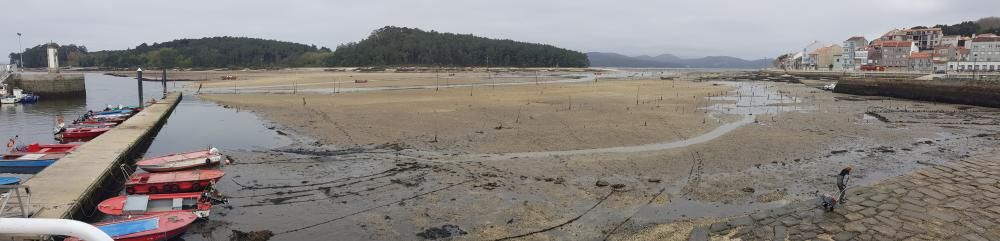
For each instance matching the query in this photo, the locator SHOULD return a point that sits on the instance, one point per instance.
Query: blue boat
(9, 181)
(24, 166)
(114, 112)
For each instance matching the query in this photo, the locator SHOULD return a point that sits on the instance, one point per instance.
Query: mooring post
(139, 78)
(164, 80)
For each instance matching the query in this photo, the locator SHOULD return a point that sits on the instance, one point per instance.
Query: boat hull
(82, 133)
(24, 167)
(180, 161)
(155, 204)
(169, 225)
(172, 182)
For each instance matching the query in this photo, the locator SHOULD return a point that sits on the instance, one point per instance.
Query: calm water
(195, 124)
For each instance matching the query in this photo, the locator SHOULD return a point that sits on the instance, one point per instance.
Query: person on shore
(842, 179)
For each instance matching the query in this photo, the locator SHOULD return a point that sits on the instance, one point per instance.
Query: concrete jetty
(74, 185)
(51, 86)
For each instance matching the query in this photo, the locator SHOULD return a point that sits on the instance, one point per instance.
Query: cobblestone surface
(959, 200)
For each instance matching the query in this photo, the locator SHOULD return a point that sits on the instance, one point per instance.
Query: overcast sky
(741, 28)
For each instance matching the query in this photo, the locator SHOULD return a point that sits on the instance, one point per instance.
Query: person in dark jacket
(842, 179)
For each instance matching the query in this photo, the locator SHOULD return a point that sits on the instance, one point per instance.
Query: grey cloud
(749, 29)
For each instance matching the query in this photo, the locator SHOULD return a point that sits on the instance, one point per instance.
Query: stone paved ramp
(955, 201)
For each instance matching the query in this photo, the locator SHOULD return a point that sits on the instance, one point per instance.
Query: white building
(984, 54)
(849, 59)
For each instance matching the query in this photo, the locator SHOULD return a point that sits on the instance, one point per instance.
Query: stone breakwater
(969, 92)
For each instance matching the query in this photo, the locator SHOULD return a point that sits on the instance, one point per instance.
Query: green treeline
(396, 46)
(967, 28)
(215, 52)
(388, 46)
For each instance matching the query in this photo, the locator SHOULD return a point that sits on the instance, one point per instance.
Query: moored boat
(172, 182)
(81, 133)
(158, 227)
(9, 181)
(24, 166)
(181, 161)
(27, 163)
(193, 202)
(45, 149)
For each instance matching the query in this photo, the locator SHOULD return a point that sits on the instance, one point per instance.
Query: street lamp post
(21, 56)
(139, 78)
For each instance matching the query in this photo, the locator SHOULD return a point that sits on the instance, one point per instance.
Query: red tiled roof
(920, 55)
(856, 38)
(986, 39)
(897, 43)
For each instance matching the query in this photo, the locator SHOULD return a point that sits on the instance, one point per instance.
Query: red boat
(46, 149)
(159, 227)
(32, 156)
(96, 123)
(81, 133)
(181, 161)
(156, 203)
(172, 182)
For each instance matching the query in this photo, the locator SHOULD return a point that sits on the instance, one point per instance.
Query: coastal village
(415, 134)
(916, 49)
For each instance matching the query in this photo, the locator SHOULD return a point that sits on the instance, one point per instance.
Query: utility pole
(21, 56)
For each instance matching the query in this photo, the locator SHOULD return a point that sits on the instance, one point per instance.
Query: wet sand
(367, 165)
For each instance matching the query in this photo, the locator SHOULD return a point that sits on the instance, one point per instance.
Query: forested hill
(967, 28)
(396, 46)
(214, 52)
(388, 46)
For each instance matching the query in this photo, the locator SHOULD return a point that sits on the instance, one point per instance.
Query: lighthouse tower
(53, 51)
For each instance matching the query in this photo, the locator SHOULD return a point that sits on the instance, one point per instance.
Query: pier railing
(5, 72)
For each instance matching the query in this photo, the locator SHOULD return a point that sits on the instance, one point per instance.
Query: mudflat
(628, 156)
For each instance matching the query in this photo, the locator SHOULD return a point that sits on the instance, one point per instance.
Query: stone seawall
(52, 86)
(969, 92)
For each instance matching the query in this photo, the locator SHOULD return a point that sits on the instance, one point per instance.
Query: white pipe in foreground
(46, 226)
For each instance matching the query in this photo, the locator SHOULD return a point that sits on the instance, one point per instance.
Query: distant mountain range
(598, 59)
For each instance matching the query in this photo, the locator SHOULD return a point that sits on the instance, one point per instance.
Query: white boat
(180, 161)
(9, 99)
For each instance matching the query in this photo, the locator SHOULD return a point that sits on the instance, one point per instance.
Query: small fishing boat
(194, 202)
(25, 97)
(114, 112)
(95, 123)
(24, 166)
(159, 227)
(9, 181)
(172, 182)
(112, 119)
(32, 156)
(81, 133)
(46, 149)
(9, 99)
(27, 163)
(181, 161)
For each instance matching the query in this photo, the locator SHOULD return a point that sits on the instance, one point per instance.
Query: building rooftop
(986, 38)
(897, 44)
(921, 55)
